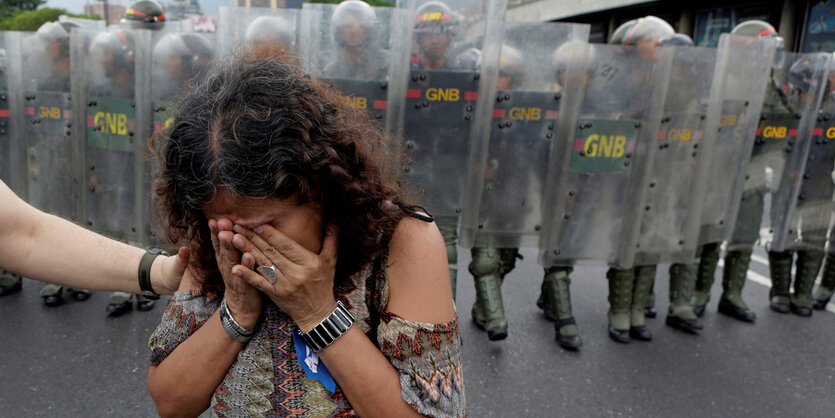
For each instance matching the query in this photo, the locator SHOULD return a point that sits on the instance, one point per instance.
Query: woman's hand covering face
(244, 301)
(304, 280)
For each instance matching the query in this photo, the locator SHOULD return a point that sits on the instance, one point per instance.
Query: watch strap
(145, 287)
(330, 329)
(232, 327)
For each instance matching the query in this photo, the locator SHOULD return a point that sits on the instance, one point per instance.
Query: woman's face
(301, 223)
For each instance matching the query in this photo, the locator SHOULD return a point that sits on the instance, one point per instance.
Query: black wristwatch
(147, 291)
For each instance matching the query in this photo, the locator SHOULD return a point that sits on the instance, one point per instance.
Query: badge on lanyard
(313, 367)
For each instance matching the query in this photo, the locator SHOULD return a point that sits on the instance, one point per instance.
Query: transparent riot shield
(106, 64)
(240, 27)
(536, 60)
(47, 134)
(350, 44)
(670, 225)
(179, 60)
(777, 153)
(739, 81)
(598, 168)
(802, 204)
(446, 92)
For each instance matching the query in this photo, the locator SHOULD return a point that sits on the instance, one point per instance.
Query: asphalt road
(75, 361)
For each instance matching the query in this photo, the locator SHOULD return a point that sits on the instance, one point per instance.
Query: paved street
(74, 361)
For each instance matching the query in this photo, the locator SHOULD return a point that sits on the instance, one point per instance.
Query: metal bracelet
(232, 327)
(330, 329)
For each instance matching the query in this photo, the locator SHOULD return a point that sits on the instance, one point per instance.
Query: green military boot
(620, 301)
(644, 277)
(780, 266)
(733, 280)
(488, 309)
(824, 292)
(808, 266)
(680, 314)
(708, 260)
(556, 299)
(507, 260)
(9, 283)
(51, 294)
(119, 303)
(448, 227)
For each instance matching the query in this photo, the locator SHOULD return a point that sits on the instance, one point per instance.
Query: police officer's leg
(9, 283)
(51, 294)
(708, 260)
(734, 276)
(680, 313)
(507, 260)
(488, 309)
(620, 301)
(808, 266)
(738, 255)
(448, 225)
(556, 291)
(780, 268)
(649, 310)
(119, 303)
(824, 292)
(644, 276)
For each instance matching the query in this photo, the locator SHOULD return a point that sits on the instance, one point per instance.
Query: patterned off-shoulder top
(268, 380)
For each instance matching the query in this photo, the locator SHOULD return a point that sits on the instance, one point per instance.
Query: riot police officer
(435, 28)
(353, 25)
(738, 257)
(270, 30)
(629, 289)
(489, 265)
(815, 197)
(54, 41)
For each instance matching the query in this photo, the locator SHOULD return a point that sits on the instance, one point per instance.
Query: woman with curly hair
(314, 289)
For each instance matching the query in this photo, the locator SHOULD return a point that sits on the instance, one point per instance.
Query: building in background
(178, 9)
(110, 11)
(805, 25)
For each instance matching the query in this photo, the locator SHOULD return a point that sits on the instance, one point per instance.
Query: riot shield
(48, 135)
(349, 44)
(509, 178)
(803, 203)
(240, 27)
(446, 92)
(599, 167)
(781, 137)
(106, 64)
(670, 226)
(740, 76)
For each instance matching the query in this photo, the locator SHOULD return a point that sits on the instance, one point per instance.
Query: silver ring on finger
(268, 272)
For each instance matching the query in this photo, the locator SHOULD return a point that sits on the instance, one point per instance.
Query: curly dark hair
(259, 127)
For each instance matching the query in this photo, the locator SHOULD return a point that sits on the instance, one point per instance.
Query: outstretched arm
(47, 248)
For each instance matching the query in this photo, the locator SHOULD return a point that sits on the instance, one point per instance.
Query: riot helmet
(802, 72)
(678, 39)
(511, 68)
(183, 55)
(758, 29)
(144, 14)
(645, 33)
(570, 54)
(352, 24)
(469, 60)
(113, 51)
(55, 43)
(270, 30)
(435, 26)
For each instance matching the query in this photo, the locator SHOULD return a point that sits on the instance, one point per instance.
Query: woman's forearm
(370, 382)
(47, 248)
(183, 384)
